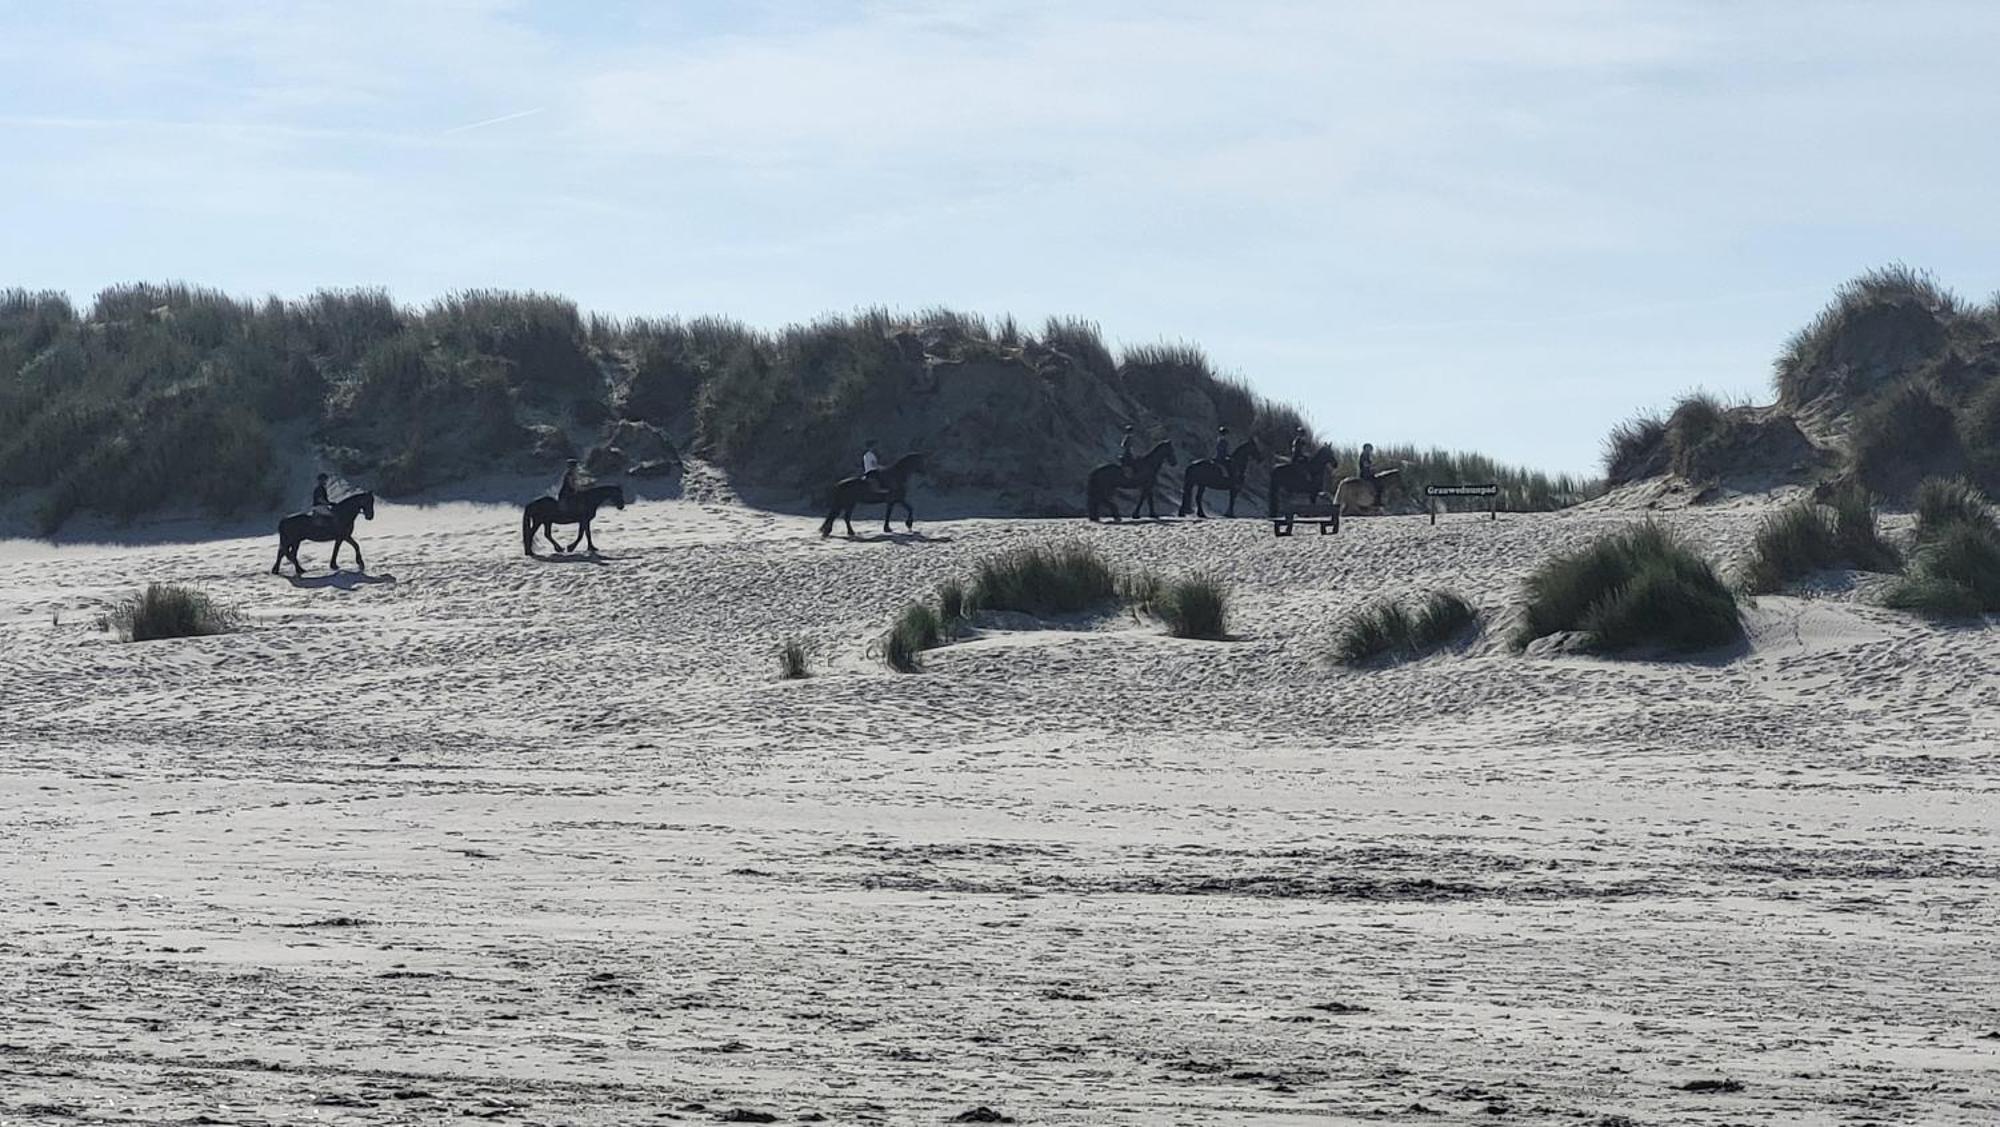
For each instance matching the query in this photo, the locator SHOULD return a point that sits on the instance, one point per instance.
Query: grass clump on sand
(1803, 537)
(1956, 573)
(1946, 501)
(1636, 448)
(1898, 437)
(168, 611)
(1042, 581)
(1064, 579)
(915, 630)
(1790, 542)
(1639, 586)
(1857, 537)
(1390, 629)
(792, 665)
(952, 608)
(1195, 607)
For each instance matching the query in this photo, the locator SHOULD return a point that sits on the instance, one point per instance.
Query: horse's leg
(335, 565)
(847, 518)
(298, 569)
(888, 509)
(1232, 502)
(589, 541)
(359, 563)
(582, 530)
(280, 561)
(909, 516)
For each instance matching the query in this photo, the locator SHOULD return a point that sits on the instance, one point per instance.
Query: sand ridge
(546, 842)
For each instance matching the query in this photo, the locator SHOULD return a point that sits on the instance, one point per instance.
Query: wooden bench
(1489, 490)
(1327, 516)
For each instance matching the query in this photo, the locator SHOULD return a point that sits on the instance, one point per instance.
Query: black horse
(893, 490)
(1307, 477)
(1208, 474)
(543, 513)
(1107, 481)
(337, 526)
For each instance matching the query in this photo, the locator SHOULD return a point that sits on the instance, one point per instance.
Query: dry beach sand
(480, 836)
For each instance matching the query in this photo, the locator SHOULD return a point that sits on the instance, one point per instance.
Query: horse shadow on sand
(898, 538)
(597, 558)
(340, 580)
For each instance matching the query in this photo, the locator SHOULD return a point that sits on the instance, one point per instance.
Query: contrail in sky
(493, 121)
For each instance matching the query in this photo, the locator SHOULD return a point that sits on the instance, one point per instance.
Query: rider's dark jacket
(319, 496)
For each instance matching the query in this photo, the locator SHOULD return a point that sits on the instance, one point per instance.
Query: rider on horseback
(566, 489)
(871, 465)
(1222, 446)
(322, 506)
(1367, 471)
(1301, 446)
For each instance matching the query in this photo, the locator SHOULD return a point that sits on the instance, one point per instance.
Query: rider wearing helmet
(871, 464)
(322, 505)
(567, 487)
(1366, 472)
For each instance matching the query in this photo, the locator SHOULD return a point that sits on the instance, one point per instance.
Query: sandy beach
(547, 841)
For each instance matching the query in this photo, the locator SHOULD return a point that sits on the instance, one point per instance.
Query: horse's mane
(913, 458)
(604, 489)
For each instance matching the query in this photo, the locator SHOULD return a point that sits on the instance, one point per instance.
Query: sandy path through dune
(546, 842)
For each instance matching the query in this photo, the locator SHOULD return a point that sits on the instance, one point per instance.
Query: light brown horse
(1356, 495)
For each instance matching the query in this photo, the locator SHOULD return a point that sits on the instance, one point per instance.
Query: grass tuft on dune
(1640, 586)
(166, 610)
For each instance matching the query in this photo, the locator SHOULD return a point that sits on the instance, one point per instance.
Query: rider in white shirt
(871, 466)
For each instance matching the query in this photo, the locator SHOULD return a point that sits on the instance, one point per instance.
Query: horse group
(541, 515)
(1307, 477)
(889, 488)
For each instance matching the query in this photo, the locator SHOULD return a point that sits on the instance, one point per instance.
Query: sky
(1492, 225)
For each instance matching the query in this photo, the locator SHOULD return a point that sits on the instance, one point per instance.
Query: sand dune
(546, 842)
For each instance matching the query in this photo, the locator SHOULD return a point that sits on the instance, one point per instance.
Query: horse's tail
(527, 531)
(826, 526)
